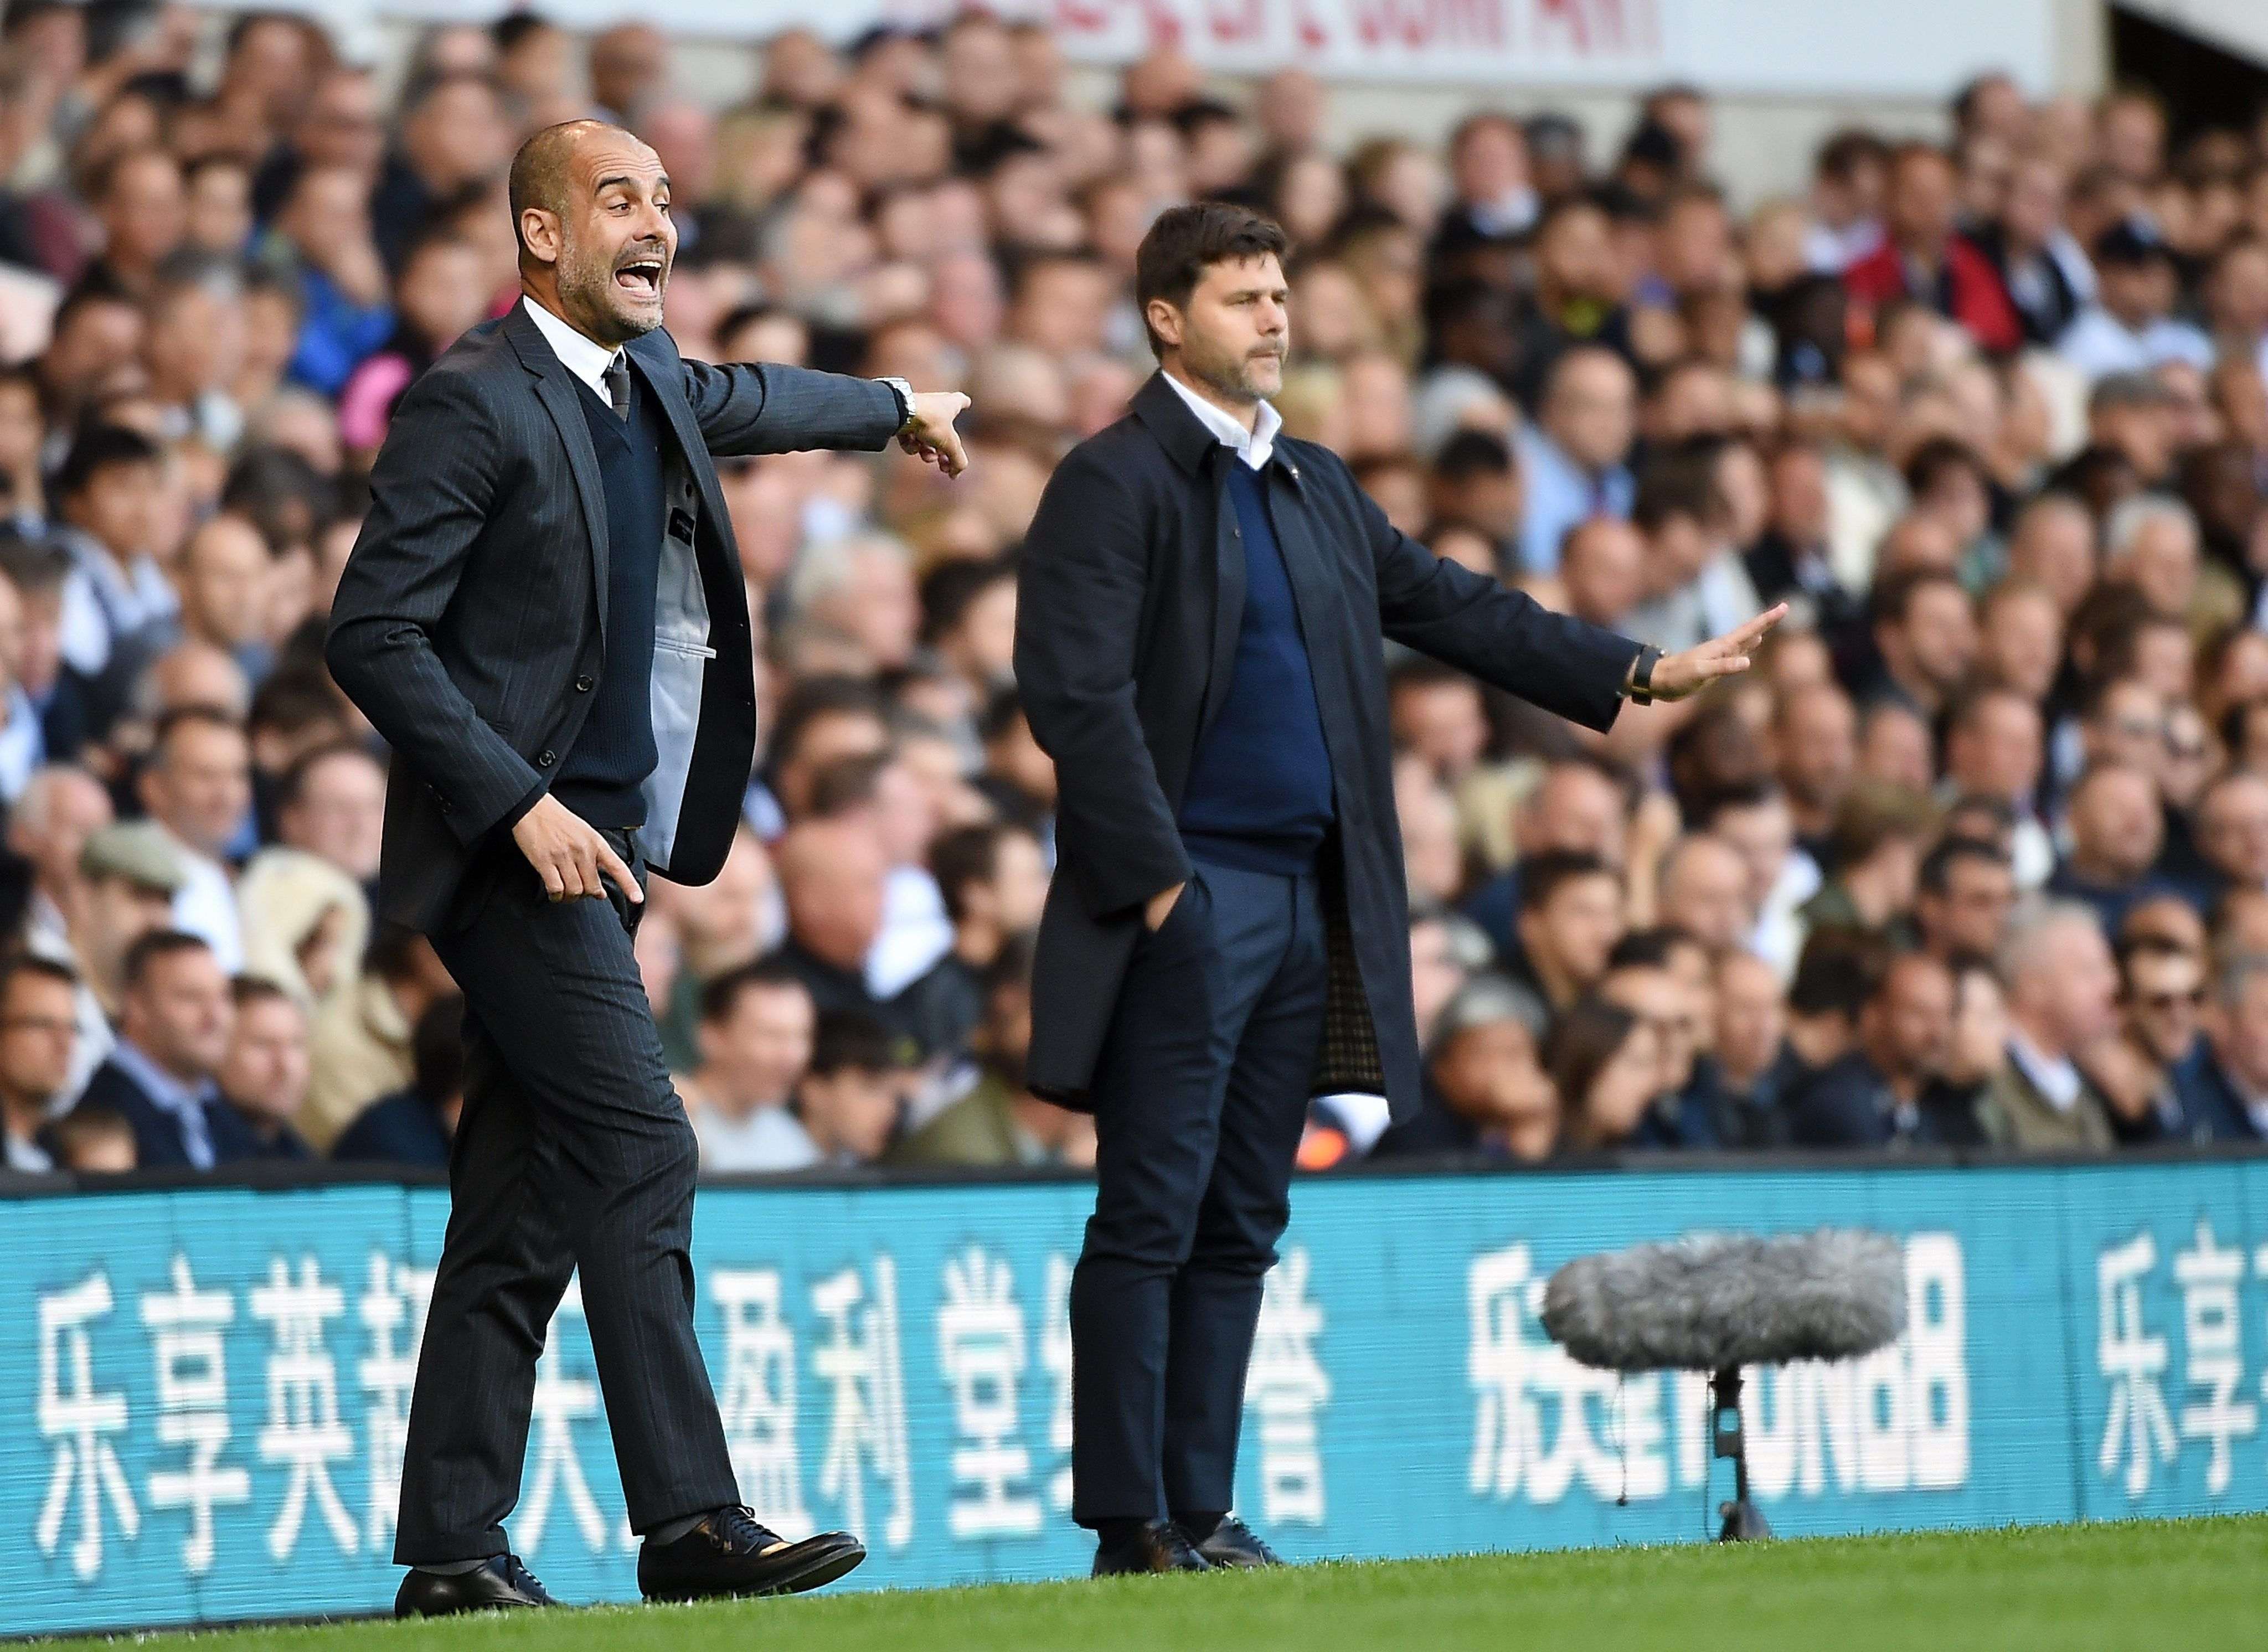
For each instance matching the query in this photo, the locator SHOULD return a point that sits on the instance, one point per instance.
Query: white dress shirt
(914, 933)
(2055, 1078)
(1253, 446)
(205, 905)
(584, 358)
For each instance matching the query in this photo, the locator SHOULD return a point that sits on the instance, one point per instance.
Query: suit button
(445, 806)
(583, 685)
(546, 759)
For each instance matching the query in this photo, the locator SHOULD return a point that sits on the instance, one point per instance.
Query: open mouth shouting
(641, 273)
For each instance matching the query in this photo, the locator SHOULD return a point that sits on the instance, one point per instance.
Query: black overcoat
(1128, 598)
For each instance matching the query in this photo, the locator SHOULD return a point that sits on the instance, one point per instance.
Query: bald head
(591, 207)
(539, 171)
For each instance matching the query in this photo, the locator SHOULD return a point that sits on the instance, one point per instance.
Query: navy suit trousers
(573, 1150)
(1199, 1100)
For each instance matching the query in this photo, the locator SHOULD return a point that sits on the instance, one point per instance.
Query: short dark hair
(244, 991)
(1751, 793)
(1540, 876)
(99, 448)
(845, 783)
(20, 965)
(952, 588)
(1938, 454)
(1893, 597)
(508, 30)
(1648, 948)
(965, 855)
(148, 950)
(1845, 151)
(1681, 483)
(1835, 973)
(1937, 865)
(1472, 453)
(720, 998)
(852, 1041)
(1187, 241)
(817, 697)
(293, 702)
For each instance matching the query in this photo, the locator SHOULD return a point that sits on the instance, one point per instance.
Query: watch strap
(1642, 673)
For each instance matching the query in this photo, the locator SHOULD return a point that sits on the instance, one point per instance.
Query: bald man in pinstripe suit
(545, 618)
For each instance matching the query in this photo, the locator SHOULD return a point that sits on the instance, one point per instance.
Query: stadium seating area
(1977, 858)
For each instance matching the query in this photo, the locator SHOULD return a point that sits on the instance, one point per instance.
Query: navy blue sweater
(601, 776)
(1259, 794)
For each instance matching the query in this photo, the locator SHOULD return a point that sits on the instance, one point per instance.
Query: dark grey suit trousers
(1199, 1100)
(573, 1150)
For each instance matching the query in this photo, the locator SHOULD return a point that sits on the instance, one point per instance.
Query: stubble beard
(1232, 377)
(586, 282)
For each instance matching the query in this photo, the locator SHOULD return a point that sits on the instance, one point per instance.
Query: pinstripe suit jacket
(467, 622)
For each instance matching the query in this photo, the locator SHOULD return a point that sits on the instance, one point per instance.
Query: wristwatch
(904, 392)
(1640, 687)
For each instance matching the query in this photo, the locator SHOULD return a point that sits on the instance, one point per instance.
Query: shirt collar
(2055, 1078)
(164, 1089)
(1253, 446)
(586, 358)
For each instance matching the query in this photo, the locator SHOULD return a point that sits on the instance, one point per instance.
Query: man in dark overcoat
(1199, 612)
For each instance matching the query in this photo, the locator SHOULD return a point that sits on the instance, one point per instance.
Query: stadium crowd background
(1978, 857)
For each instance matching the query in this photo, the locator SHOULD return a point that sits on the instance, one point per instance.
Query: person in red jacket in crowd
(1924, 258)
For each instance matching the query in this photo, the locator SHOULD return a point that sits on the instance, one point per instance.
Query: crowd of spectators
(1977, 857)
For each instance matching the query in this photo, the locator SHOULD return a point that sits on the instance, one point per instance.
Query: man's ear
(539, 233)
(1164, 321)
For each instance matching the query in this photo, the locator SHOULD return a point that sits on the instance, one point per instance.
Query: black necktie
(618, 384)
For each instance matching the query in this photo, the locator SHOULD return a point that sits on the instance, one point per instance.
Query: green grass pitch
(2135, 1587)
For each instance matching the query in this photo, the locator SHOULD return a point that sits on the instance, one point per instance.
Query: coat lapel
(1317, 597)
(1228, 585)
(555, 388)
(663, 378)
(1200, 455)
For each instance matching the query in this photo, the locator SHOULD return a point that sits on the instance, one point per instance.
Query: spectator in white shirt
(754, 1034)
(2130, 327)
(116, 602)
(197, 786)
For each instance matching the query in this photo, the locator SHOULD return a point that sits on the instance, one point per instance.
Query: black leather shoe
(1235, 1543)
(729, 1554)
(1156, 1545)
(500, 1580)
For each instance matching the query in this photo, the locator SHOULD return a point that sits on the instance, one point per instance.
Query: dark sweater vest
(601, 773)
(1259, 794)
